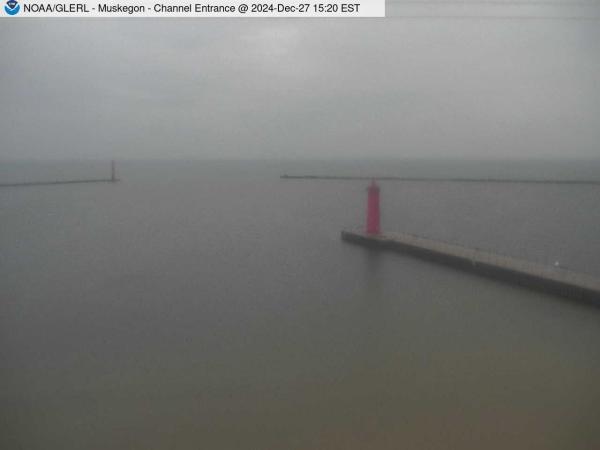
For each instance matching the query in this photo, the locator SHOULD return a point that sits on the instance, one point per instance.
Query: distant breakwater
(113, 179)
(433, 179)
(51, 183)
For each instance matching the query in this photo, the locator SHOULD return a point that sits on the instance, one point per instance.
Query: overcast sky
(291, 88)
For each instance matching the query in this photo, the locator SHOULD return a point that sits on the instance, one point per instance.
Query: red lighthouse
(373, 208)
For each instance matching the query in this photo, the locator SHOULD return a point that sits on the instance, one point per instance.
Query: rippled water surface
(212, 305)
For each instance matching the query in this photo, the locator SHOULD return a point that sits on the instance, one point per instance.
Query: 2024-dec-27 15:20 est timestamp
(305, 7)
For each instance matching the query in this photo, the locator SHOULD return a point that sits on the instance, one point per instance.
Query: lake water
(212, 305)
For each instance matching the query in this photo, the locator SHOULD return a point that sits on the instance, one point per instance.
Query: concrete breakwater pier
(551, 279)
(431, 179)
(49, 183)
(113, 179)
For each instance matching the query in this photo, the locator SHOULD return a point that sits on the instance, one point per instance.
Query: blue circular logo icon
(12, 7)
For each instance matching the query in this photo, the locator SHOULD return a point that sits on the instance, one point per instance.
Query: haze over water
(213, 305)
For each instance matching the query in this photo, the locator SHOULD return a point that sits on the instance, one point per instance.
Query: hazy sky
(299, 88)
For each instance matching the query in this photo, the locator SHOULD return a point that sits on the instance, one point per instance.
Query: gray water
(212, 305)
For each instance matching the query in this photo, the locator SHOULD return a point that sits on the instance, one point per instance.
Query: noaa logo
(12, 7)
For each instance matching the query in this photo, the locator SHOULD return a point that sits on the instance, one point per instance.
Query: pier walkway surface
(551, 279)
